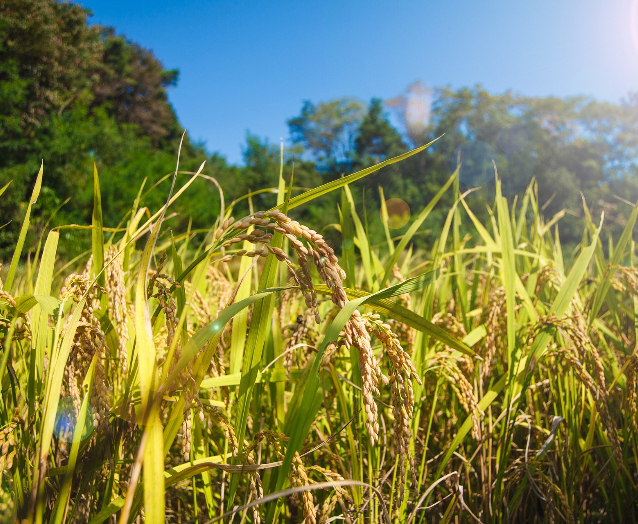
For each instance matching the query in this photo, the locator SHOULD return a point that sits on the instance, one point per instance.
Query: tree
(48, 60)
(327, 131)
(567, 146)
(376, 139)
(133, 86)
(74, 94)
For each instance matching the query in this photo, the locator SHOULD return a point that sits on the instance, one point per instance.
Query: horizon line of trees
(74, 93)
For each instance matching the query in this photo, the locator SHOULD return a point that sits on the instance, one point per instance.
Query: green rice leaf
(154, 471)
(399, 313)
(347, 240)
(259, 325)
(185, 471)
(605, 284)
(56, 374)
(361, 241)
(313, 392)
(487, 238)
(17, 252)
(394, 257)
(25, 303)
(240, 322)
(40, 316)
(110, 510)
(144, 344)
(97, 232)
(336, 184)
(234, 379)
(509, 273)
(4, 188)
(384, 221)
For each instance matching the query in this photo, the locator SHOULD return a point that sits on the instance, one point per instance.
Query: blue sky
(249, 65)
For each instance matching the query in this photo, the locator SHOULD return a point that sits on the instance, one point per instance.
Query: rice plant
(255, 375)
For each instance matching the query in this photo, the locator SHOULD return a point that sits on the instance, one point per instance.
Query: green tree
(376, 139)
(133, 86)
(570, 147)
(327, 131)
(48, 60)
(74, 94)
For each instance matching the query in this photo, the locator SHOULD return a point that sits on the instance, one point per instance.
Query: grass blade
(17, 253)
(312, 393)
(154, 471)
(97, 232)
(341, 182)
(401, 314)
(605, 284)
(413, 229)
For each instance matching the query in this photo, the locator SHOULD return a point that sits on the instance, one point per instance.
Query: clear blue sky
(248, 65)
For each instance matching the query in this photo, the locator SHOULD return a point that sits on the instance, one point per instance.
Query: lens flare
(633, 21)
(512, 139)
(477, 161)
(66, 419)
(347, 244)
(398, 213)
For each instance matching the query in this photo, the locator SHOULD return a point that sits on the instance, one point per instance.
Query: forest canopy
(73, 94)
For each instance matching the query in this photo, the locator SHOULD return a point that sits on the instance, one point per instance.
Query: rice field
(263, 376)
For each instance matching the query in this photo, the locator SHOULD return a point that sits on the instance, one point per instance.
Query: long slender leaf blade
(384, 221)
(261, 317)
(40, 314)
(98, 229)
(347, 240)
(336, 184)
(143, 330)
(240, 322)
(362, 241)
(401, 314)
(110, 510)
(4, 188)
(312, 393)
(17, 253)
(413, 229)
(154, 471)
(487, 238)
(509, 273)
(605, 284)
(58, 366)
(199, 446)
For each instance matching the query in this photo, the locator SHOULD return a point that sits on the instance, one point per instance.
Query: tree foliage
(73, 94)
(133, 87)
(328, 130)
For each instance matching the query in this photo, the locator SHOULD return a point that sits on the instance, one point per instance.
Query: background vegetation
(74, 94)
(477, 363)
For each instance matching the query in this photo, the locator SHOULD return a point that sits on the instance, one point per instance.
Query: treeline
(73, 94)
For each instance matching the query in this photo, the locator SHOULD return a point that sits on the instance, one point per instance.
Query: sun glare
(633, 21)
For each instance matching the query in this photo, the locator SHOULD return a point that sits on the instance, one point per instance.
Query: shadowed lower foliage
(260, 372)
